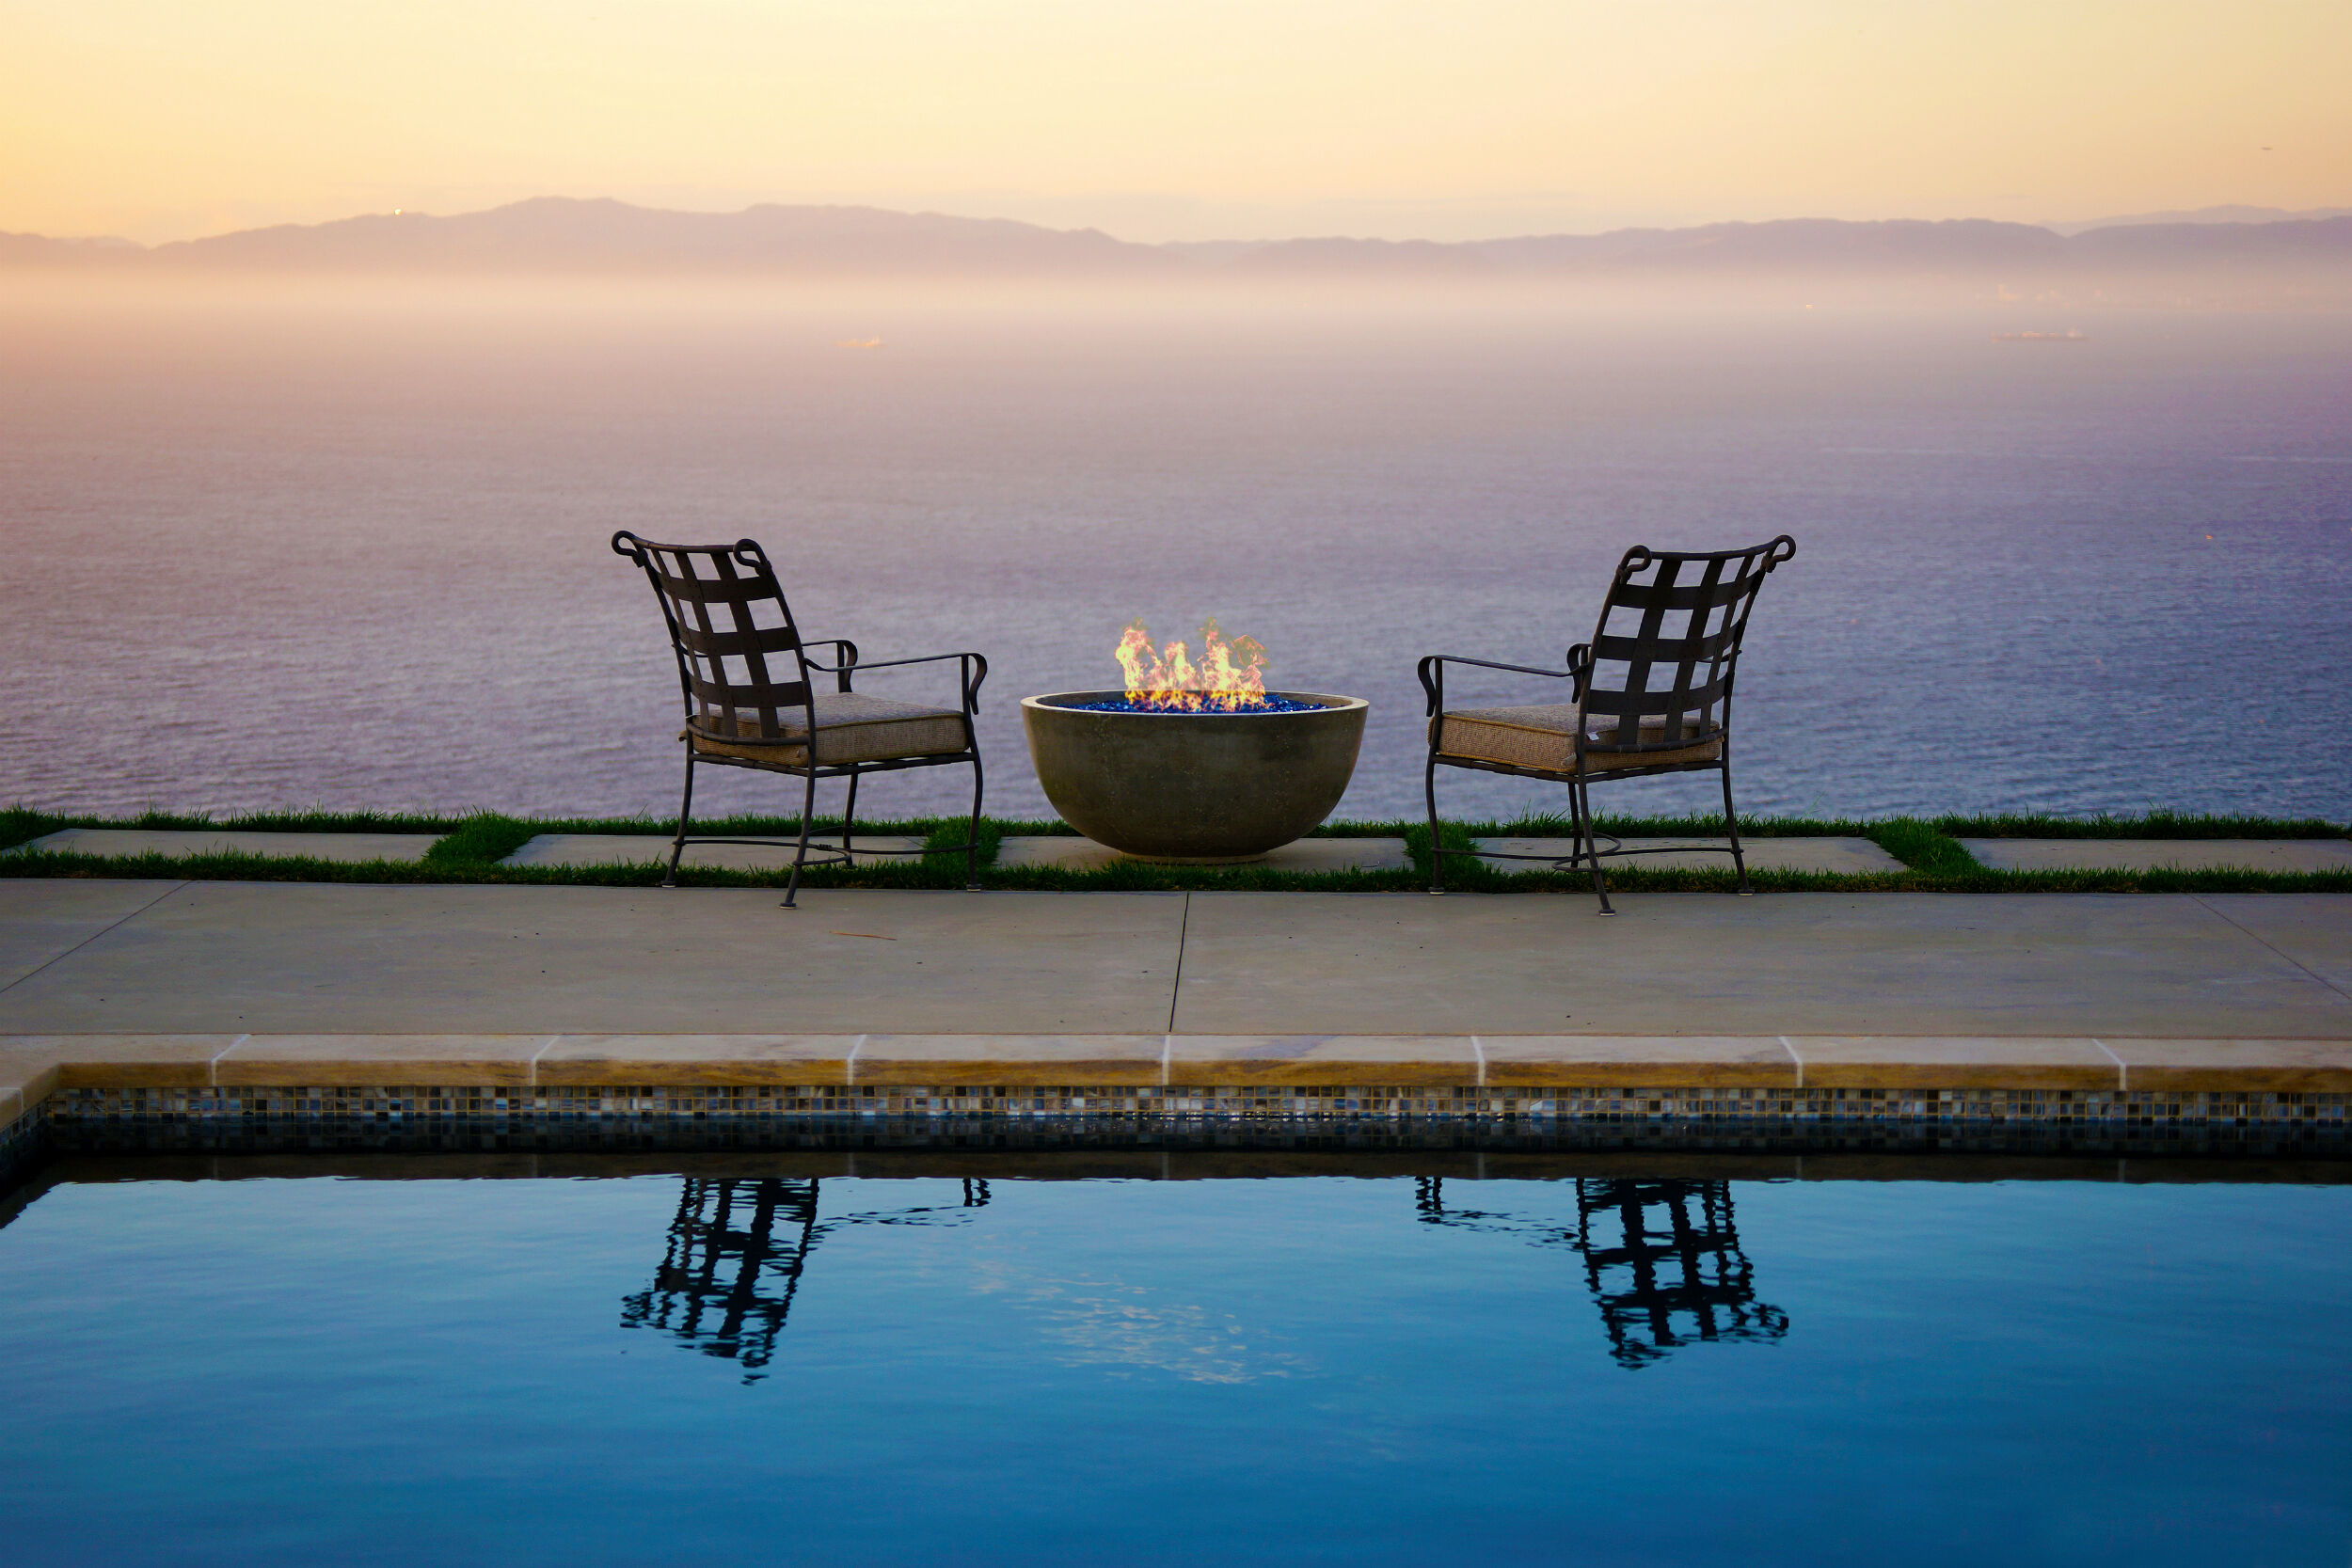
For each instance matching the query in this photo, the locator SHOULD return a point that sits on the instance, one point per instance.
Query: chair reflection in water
(1662, 1258)
(1667, 1267)
(737, 1250)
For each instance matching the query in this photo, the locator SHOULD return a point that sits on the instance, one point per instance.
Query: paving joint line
(1794, 1057)
(2289, 956)
(93, 937)
(2123, 1073)
(1176, 988)
(546, 1046)
(212, 1067)
(1478, 1049)
(849, 1065)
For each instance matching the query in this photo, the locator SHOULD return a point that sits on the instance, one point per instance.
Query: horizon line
(2185, 217)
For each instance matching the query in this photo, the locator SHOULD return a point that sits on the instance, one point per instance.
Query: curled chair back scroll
(1658, 670)
(740, 663)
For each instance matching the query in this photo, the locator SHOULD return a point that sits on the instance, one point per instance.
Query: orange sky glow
(1157, 120)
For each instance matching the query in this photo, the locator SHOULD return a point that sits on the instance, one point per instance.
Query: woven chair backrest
(740, 660)
(1668, 642)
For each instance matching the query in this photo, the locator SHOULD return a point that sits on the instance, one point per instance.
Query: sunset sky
(1172, 119)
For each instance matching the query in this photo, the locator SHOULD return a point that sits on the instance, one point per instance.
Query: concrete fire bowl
(1193, 788)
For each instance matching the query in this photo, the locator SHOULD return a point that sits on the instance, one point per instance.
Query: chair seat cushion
(1544, 736)
(850, 727)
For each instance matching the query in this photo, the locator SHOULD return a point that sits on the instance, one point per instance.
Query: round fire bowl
(1193, 788)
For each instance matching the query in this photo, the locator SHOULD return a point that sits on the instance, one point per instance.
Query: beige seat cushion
(1544, 736)
(850, 727)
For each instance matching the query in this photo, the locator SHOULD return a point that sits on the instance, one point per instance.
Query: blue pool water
(1297, 1371)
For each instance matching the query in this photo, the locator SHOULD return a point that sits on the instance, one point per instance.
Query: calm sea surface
(848, 1371)
(298, 553)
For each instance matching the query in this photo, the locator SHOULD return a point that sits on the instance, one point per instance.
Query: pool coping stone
(34, 1067)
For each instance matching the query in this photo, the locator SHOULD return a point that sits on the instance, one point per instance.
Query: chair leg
(685, 809)
(972, 839)
(1731, 823)
(799, 857)
(1579, 802)
(848, 812)
(1437, 856)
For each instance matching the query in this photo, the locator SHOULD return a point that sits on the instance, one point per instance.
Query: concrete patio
(213, 986)
(80, 957)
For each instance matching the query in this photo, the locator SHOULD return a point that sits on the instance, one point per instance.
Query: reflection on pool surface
(1666, 1271)
(1619, 1368)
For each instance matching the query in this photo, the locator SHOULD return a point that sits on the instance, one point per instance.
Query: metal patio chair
(729, 625)
(1651, 694)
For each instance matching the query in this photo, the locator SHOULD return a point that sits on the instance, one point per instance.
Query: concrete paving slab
(371, 1059)
(2161, 854)
(1843, 856)
(749, 1059)
(2311, 1067)
(1360, 1060)
(28, 1057)
(2311, 930)
(124, 1061)
(1928, 1062)
(2075, 965)
(40, 1063)
(43, 920)
(348, 848)
(296, 958)
(586, 849)
(290, 958)
(1083, 1061)
(1307, 855)
(1655, 1061)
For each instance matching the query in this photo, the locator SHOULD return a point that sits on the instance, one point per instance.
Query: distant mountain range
(2204, 214)
(561, 235)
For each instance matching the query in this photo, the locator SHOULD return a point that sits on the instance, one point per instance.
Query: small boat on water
(2072, 335)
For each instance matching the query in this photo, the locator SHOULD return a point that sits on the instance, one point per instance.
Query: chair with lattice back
(1651, 694)
(752, 699)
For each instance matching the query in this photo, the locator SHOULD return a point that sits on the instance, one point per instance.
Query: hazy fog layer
(308, 548)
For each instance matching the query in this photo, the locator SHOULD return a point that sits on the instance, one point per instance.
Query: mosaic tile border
(1333, 1104)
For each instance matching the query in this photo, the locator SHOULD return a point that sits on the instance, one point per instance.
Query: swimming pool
(1602, 1359)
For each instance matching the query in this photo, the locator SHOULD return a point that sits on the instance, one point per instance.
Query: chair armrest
(884, 663)
(1490, 664)
(842, 670)
(1432, 672)
(973, 670)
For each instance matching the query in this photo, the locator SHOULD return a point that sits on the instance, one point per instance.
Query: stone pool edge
(2303, 1081)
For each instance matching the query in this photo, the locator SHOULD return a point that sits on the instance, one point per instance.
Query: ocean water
(342, 552)
(1602, 1371)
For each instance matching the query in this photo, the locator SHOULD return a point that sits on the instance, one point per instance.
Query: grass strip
(1922, 848)
(2155, 824)
(469, 848)
(480, 841)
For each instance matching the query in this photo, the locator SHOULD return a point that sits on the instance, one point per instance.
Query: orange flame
(1230, 676)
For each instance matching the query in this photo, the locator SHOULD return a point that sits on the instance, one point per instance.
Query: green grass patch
(2155, 824)
(480, 841)
(20, 826)
(469, 848)
(1922, 847)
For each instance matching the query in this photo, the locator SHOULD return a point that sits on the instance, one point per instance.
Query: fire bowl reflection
(1197, 788)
